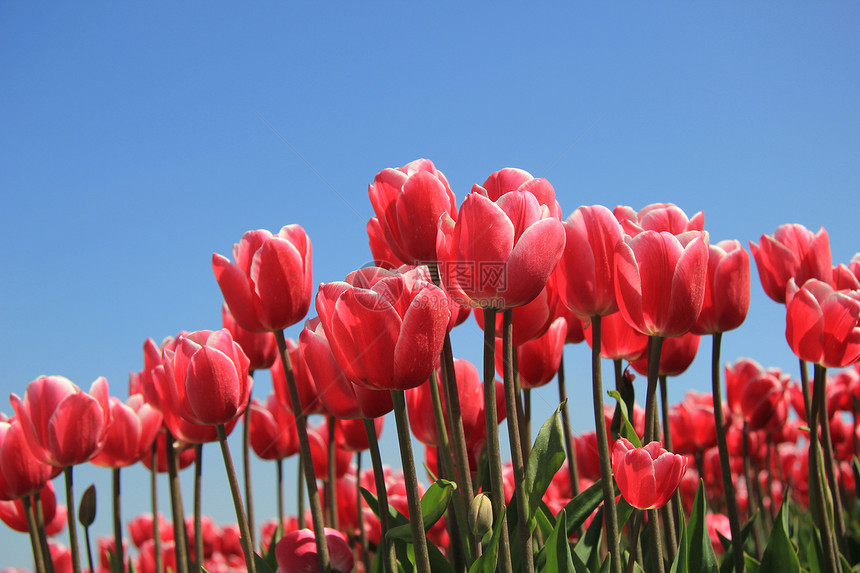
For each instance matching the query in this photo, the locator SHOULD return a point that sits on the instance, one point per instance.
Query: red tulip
(210, 377)
(309, 396)
(498, 254)
(847, 277)
(792, 252)
(383, 257)
(513, 179)
(764, 401)
(408, 202)
(646, 476)
(738, 375)
(13, 515)
(727, 289)
(269, 286)
(692, 421)
(351, 435)
(130, 437)
(261, 348)
(21, 473)
(823, 325)
(538, 359)
(677, 354)
(63, 425)
(718, 524)
(140, 529)
(185, 455)
(530, 321)
(575, 332)
(386, 330)
(660, 281)
(296, 552)
(618, 339)
(587, 264)
(273, 433)
(658, 217)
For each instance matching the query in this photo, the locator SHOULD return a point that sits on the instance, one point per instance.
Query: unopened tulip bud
(87, 511)
(481, 515)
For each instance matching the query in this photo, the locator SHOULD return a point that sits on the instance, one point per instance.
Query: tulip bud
(481, 515)
(87, 511)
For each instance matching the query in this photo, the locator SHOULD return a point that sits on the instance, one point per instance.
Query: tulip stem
(515, 438)
(362, 535)
(36, 545)
(655, 346)
(751, 497)
(816, 487)
(385, 546)
(244, 531)
(725, 466)
(612, 533)
(118, 550)
(279, 465)
(305, 453)
(416, 517)
(300, 483)
(153, 489)
(572, 470)
(43, 538)
(669, 511)
(497, 489)
(180, 540)
(70, 515)
(246, 465)
(198, 502)
(830, 471)
(331, 494)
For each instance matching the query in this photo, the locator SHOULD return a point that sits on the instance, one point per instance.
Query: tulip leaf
(486, 563)
(262, 563)
(780, 554)
(579, 508)
(557, 550)
(545, 459)
(855, 467)
(587, 549)
(434, 504)
(545, 521)
(627, 430)
(681, 563)
(269, 553)
(700, 550)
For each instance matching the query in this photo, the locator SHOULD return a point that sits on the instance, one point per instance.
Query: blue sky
(138, 140)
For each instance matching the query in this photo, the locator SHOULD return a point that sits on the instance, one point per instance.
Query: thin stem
(751, 493)
(118, 549)
(572, 470)
(246, 466)
(514, 429)
(43, 538)
(331, 493)
(179, 537)
(655, 346)
(816, 487)
(244, 532)
(300, 484)
(32, 528)
(153, 489)
(669, 510)
(497, 493)
(279, 465)
(416, 517)
(725, 466)
(612, 534)
(830, 471)
(807, 393)
(656, 538)
(385, 546)
(88, 546)
(359, 503)
(198, 509)
(305, 453)
(70, 509)
(634, 541)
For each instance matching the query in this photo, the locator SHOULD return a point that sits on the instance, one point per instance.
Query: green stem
(655, 346)
(70, 509)
(725, 466)
(416, 517)
(386, 548)
(279, 465)
(35, 543)
(830, 471)
(497, 490)
(514, 434)
(246, 466)
(572, 470)
(244, 531)
(612, 534)
(634, 541)
(816, 486)
(43, 538)
(198, 507)
(669, 510)
(153, 491)
(118, 550)
(331, 493)
(751, 497)
(300, 483)
(179, 538)
(359, 503)
(305, 452)
(89, 547)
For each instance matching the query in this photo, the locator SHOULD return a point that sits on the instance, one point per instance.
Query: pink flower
(647, 476)
(792, 252)
(296, 552)
(822, 324)
(727, 289)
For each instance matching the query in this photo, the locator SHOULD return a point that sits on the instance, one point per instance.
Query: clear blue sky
(135, 141)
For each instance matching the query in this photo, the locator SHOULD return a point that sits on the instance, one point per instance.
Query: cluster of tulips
(639, 492)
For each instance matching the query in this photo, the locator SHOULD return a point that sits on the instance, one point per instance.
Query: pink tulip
(537, 359)
(261, 348)
(678, 352)
(822, 324)
(296, 552)
(658, 217)
(727, 289)
(21, 473)
(269, 286)
(273, 433)
(135, 426)
(63, 425)
(847, 277)
(646, 476)
(792, 252)
(618, 339)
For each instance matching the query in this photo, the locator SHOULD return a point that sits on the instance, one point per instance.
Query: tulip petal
(421, 336)
(75, 430)
(237, 293)
(533, 259)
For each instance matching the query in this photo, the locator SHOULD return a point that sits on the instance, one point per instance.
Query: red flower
(309, 396)
(588, 264)
(269, 286)
(408, 202)
(647, 476)
(658, 217)
(261, 348)
(660, 281)
(822, 324)
(792, 252)
(618, 339)
(847, 276)
(13, 515)
(764, 401)
(296, 552)
(63, 425)
(273, 433)
(677, 354)
(498, 254)
(537, 359)
(21, 473)
(386, 330)
(727, 289)
(209, 375)
(135, 425)
(530, 321)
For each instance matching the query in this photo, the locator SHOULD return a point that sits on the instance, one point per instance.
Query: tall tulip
(792, 252)
(727, 289)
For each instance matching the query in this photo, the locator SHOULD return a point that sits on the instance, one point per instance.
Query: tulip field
(760, 474)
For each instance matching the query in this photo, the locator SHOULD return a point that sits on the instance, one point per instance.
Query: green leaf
(627, 430)
(545, 459)
(681, 563)
(701, 553)
(269, 555)
(579, 508)
(588, 548)
(557, 549)
(855, 467)
(262, 564)
(779, 554)
(434, 504)
(486, 563)
(545, 520)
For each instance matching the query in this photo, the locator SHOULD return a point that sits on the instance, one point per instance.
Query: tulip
(764, 402)
(21, 473)
(658, 217)
(692, 421)
(261, 348)
(498, 254)
(309, 396)
(512, 179)
(727, 289)
(12, 512)
(847, 277)
(618, 339)
(269, 286)
(141, 529)
(130, 437)
(822, 324)
(408, 202)
(385, 333)
(273, 433)
(660, 283)
(792, 252)
(646, 476)
(538, 359)
(296, 552)
(676, 356)
(738, 375)
(383, 257)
